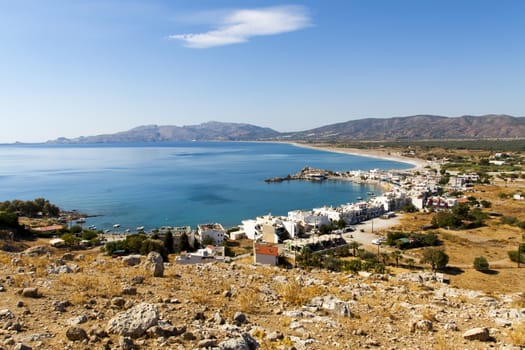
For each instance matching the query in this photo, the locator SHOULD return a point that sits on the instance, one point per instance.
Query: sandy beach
(372, 153)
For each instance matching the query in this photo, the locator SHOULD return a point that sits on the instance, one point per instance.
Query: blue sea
(179, 183)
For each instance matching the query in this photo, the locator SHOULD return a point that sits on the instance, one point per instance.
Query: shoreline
(416, 163)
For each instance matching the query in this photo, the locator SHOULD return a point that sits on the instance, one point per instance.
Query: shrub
(481, 263)
(352, 265)
(514, 256)
(509, 220)
(485, 203)
(436, 258)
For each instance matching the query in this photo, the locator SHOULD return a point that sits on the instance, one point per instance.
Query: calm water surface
(182, 183)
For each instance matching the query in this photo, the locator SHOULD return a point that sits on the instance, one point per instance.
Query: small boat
(128, 230)
(359, 198)
(140, 228)
(107, 231)
(81, 220)
(370, 193)
(92, 227)
(116, 225)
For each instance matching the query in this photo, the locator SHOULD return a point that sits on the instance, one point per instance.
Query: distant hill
(211, 131)
(419, 127)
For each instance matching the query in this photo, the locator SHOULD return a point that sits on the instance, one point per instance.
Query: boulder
(68, 257)
(76, 333)
(129, 290)
(5, 314)
(481, 334)
(333, 304)
(155, 264)
(207, 343)
(36, 250)
(131, 260)
(163, 329)
(126, 343)
(135, 321)
(74, 321)
(239, 318)
(61, 306)
(244, 342)
(30, 292)
(424, 325)
(137, 280)
(118, 302)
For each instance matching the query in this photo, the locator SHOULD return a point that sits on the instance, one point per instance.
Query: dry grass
(519, 301)
(491, 241)
(429, 315)
(249, 301)
(5, 258)
(517, 335)
(293, 293)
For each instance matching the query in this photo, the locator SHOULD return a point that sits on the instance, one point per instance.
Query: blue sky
(85, 67)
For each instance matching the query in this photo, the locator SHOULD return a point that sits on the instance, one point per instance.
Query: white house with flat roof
(215, 231)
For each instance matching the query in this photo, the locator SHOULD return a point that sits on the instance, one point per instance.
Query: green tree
(446, 219)
(70, 239)
(480, 263)
(409, 208)
(461, 211)
(154, 245)
(436, 258)
(207, 240)
(353, 245)
(325, 229)
(228, 251)
(168, 242)
(341, 224)
(133, 243)
(88, 235)
(352, 265)
(75, 229)
(184, 244)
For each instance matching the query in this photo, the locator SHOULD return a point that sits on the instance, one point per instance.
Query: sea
(177, 183)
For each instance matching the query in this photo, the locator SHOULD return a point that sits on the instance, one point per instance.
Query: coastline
(370, 153)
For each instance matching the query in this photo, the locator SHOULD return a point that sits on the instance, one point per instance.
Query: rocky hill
(211, 131)
(419, 127)
(53, 299)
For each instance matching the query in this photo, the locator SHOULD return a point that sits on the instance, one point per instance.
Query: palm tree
(396, 255)
(384, 257)
(354, 246)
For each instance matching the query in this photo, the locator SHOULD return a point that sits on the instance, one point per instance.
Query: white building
(202, 256)
(333, 214)
(215, 231)
(308, 218)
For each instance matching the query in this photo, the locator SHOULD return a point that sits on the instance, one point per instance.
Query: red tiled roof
(266, 250)
(48, 228)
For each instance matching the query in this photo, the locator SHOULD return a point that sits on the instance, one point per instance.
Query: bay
(177, 183)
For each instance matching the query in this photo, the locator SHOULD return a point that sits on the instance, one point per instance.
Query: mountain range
(418, 127)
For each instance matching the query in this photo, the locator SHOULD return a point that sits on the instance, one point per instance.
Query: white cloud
(239, 26)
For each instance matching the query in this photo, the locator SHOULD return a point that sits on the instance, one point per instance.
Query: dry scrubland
(492, 241)
(220, 304)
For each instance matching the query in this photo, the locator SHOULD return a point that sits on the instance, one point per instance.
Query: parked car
(378, 241)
